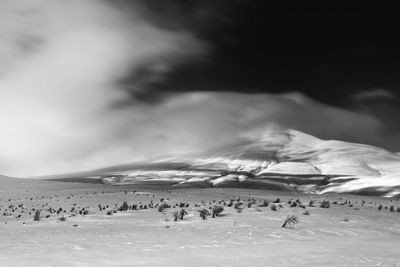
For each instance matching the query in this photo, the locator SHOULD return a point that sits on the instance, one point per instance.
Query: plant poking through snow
(291, 220)
(217, 210)
(182, 213)
(37, 215)
(204, 213)
(176, 216)
(325, 204)
(264, 204)
(163, 206)
(62, 219)
(124, 206)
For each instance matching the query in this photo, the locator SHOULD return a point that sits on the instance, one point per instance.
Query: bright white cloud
(60, 60)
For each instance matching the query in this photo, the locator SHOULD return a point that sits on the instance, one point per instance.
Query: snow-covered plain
(352, 234)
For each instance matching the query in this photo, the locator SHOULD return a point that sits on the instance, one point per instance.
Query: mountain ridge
(273, 159)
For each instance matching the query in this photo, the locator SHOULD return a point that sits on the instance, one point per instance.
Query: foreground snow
(343, 235)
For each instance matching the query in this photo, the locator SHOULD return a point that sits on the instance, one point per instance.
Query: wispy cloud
(377, 93)
(60, 63)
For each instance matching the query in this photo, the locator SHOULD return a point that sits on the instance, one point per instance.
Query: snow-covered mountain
(275, 159)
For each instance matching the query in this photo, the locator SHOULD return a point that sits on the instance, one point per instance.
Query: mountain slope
(275, 159)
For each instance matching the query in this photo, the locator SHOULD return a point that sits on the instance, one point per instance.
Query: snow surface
(343, 235)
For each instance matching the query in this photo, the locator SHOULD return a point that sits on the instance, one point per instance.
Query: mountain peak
(275, 159)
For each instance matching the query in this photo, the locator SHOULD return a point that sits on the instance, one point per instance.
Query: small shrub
(294, 204)
(391, 209)
(37, 215)
(290, 220)
(311, 204)
(278, 200)
(325, 204)
(217, 210)
(124, 206)
(62, 219)
(264, 204)
(274, 208)
(163, 206)
(110, 212)
(182, 213)
(380, 207)
(176, 215)
(203, 213)
(238, 204)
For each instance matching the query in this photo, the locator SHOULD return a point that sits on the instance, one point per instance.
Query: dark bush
(37, 215)
(124, 206)
(176, 215)
(264, 204)
(182, 213)
(291, 220)
(325, 204)
(238, 204)
(203, 213)
(163, 206)
(217, 210)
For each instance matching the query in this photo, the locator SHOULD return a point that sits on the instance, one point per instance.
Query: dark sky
(89, 84)
(328, 52)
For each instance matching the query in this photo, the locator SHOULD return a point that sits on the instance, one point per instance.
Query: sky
(95, 83)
